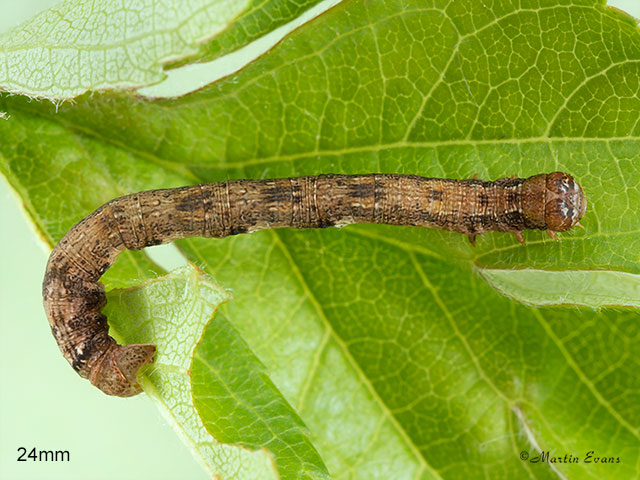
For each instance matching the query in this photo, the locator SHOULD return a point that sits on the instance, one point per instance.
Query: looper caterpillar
(73, 297)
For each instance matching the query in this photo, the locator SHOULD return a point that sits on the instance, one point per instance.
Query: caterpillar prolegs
(73, 297)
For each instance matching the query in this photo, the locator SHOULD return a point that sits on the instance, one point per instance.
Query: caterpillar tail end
(117, 372)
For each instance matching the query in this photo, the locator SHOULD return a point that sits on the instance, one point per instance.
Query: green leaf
(172, 312)
(82, 45)
(401, 361)
(423, 358)
(239, 404)
(259, 18)
(592, 289)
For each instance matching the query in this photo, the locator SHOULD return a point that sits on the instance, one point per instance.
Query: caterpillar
(73, 297)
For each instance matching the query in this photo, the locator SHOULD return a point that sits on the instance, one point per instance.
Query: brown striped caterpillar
(73, 297)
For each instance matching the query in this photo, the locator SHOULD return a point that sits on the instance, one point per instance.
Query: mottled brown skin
(73, 297)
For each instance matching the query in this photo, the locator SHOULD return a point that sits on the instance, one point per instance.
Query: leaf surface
(259, 18)
(239, 403)
(398, 357)
(174, 312)
(91, 45)
(570, 287)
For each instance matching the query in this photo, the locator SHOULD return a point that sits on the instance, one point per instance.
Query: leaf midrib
(374, 148)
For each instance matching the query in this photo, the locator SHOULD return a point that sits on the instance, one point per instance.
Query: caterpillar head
(565, 203)
(553, 201)
(116, 373)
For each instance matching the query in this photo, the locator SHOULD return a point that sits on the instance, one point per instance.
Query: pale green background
(108, 438)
